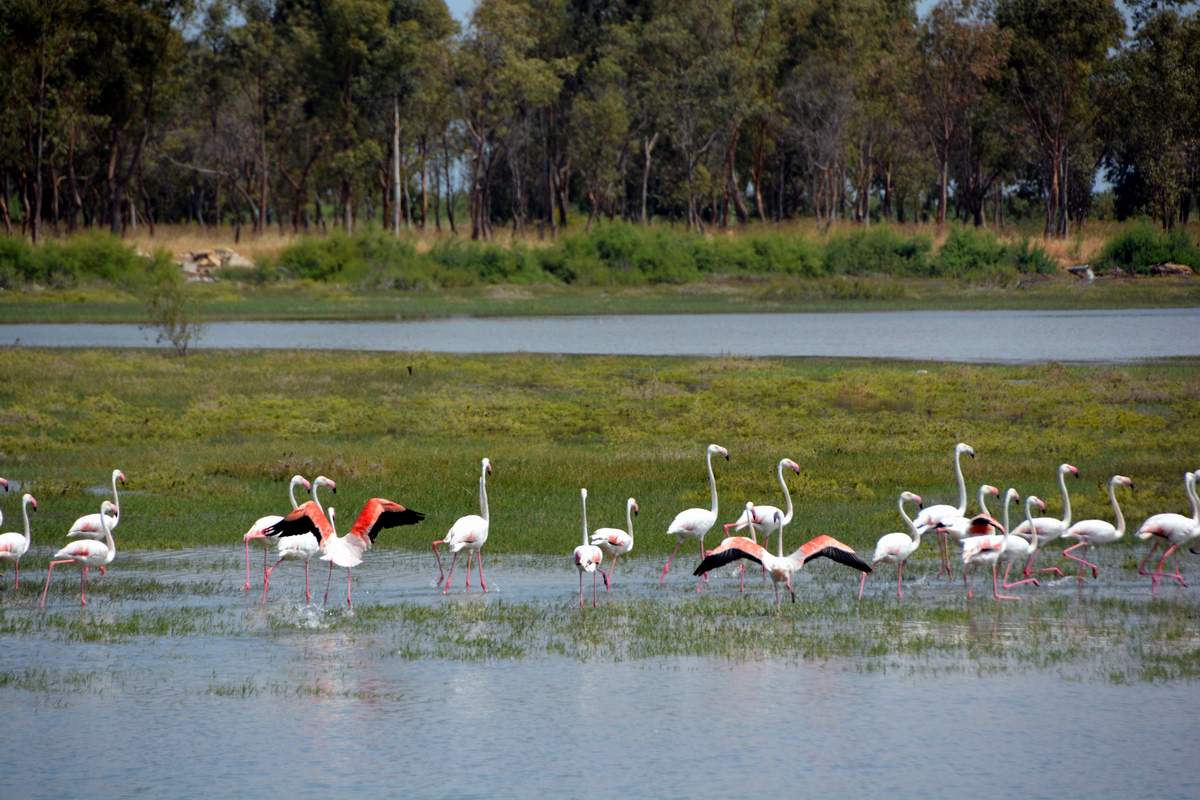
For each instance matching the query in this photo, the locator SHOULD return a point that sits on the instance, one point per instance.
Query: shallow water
(245, 700)
(969, 336)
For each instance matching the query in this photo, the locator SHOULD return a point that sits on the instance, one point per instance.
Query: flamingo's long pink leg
(328, 578)
(349, 582)
(83, 586)
(469, 554)
(594, 586)
(995, 584)
(703, 578)
(945, 550)
(1008, 585)
(899, 581)
(441, 572)
(1158, 571)
(862, 582)
(307, 593)
(966, 584)
(1145, 558)
(1082, 561)
(246, 585)
(450, 575)
(776, 585)
(581, 588)
(667, 566)
(17, 582)
(49, 572)
(267, 578)
(790, 589)
(479, 564)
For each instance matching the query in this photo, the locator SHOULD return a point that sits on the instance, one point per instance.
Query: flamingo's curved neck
(1062, 487)
(913, 530)
(712, 483)
(483, 504)
(583, 500)
(1189, 485)
(1112, 495)
(1033, 539)
(629, 517)
(108, 539)
(962, 483)
(782, 524)
(316, 500)
(25, 513)
(787, 516)
(983, 493)
(1007, 502)
(116, 497)
(292, 493)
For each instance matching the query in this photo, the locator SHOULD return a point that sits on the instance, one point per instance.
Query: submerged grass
(208, 442)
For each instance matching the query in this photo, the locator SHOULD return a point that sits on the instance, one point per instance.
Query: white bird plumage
(1049, 528)
(896, 548)
(13, 544)
(85, 552)
(616, 542)
(1090, 533)
(88, 526)
(257, 530)
(301, 547)
(941, 515)
(468, 533)
(693, 523)
(587, 556)
(1173, 530)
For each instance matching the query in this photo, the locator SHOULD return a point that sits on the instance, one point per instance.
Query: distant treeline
(612, 253)
(324, 113)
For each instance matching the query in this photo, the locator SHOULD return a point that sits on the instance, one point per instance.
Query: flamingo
(301, 547)
(1048, 528)
(262, 523)
(13, 545)
(1175, 531)
(587, 556)
(467, 533)
(761, 519)
(693, 523)
(88, 526)
(986, 548)
(1093, 532)
(780, 567)
(1018, 548)
(937, 516)
(345, 551)
(86, 553)
(616, 542)
(897, 548)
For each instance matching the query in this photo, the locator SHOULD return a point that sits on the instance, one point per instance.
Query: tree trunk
(943, 190)
(648, 151)
(395, 165)
(424, 186)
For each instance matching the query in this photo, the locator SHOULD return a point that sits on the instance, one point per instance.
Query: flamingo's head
(792, 465)
(107, 507)
(1070, 468)
(992, 490)
(583, 493)
(1013, 496)
(718, 450)
(487, 466)
(1034, 500)
(118, 475)
(4, 484)
(633, 506)
(963, 447)
(912, 498)
(750, 516)
(321, 480)
(300, 480)
(1121, 479)
(31, 500)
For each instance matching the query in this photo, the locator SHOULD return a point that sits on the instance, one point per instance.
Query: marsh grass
(208, 444)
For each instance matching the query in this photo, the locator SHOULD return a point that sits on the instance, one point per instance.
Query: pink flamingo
(940, 516)
(86, 553)
(896, 548)
(693, 523)
(761, 519)
(301, 547)
(616, 542)
(781, 567)
(468, 533)
(13, 545)
(1018, 548)
(345, 551)
(1048, 528)
(986, 548)
(587, 556)
(1173, 530)
(262, 523)
(1094, 532)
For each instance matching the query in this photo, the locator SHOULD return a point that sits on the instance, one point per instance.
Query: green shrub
(89, 257)
(1143, 246)
(967, 252)
(879, 250)
(1031, 259)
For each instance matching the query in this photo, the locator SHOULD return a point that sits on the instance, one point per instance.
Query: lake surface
(291, 700)
(968, 336)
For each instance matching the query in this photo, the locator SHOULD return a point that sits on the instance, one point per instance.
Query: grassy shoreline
(208, 442)
(304, 301)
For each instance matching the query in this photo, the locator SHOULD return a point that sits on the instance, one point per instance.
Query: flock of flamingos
(310, 530)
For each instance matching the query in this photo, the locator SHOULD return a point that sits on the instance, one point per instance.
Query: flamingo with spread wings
(781, 567)
(345, 551)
